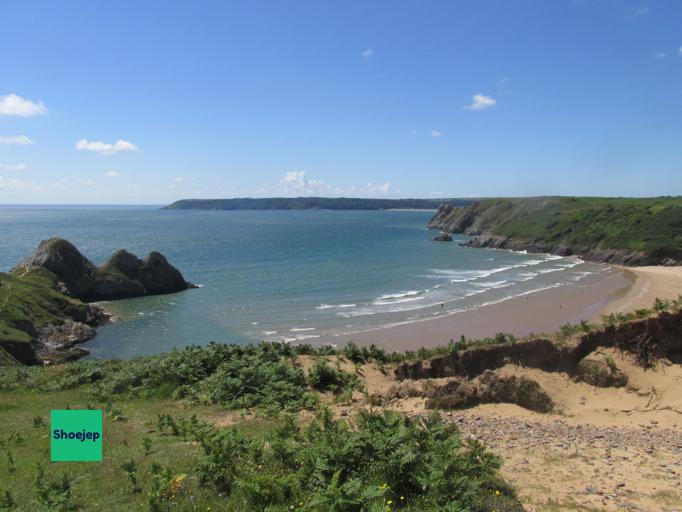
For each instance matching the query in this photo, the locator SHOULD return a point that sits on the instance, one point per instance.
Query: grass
(163, 451)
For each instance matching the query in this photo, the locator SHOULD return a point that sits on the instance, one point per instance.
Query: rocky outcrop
(124, 275)
(616, 257)
(44, 318)
(64, 260)
(605, 230)
(442, 237)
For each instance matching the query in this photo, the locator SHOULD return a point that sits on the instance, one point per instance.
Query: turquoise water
(282, 275)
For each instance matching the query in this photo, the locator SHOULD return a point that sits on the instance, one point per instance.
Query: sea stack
(124, 275)
(442, 237)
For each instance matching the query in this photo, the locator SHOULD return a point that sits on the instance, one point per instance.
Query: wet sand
(540, 312)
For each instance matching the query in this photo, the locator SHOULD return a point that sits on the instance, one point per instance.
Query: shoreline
(621, 290)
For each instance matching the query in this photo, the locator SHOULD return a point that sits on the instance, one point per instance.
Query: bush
(375, 462)
(323, 377)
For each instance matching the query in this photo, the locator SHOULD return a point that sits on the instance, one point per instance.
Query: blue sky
(148, 102)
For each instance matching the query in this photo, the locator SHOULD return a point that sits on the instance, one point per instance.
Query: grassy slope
(649, 225)
(328, 469)
(28, 299)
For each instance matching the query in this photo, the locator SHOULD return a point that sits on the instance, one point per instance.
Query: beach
(623, 289)
(648, 284)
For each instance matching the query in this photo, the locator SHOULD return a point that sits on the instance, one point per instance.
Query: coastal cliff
(631, 232)
(44, 312)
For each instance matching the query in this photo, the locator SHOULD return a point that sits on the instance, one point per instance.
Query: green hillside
(651, 227)
(28, 301)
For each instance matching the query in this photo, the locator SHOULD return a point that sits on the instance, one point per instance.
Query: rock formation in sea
(123, 275)
(44, 317)
(442, 237)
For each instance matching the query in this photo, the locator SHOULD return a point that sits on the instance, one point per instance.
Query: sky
(146, 102)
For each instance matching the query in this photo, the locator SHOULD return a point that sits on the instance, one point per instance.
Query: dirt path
(561, 465)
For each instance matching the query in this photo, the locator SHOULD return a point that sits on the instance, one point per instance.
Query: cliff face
(124, 275)
(622, 231)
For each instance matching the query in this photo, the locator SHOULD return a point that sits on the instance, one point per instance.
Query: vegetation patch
(490, 387)
(601, 372)
(376, 462)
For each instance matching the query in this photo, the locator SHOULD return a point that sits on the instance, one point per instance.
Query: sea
(290, 276)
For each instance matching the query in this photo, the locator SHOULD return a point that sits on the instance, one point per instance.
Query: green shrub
(323, 377)
(361, 465)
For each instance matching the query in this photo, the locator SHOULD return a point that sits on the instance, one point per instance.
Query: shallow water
(282, 275)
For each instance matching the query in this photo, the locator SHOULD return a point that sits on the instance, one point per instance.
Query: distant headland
(626, 231)
(314, 203)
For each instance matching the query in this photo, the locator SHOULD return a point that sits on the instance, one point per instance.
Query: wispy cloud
(367, 54)
(636, 13)
(660, 55)
(60, 184)
(105, 148)
(177, 181)
(88, 182)
(481, 102)
(298, 183)
(436, 133)
(13, 167)
(13, 105)
(11, 184)
(16, 140)
(113, 174)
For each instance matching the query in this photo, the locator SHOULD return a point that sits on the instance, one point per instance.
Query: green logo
(76, 436)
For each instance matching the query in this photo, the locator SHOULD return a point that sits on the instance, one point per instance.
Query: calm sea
(282, 275)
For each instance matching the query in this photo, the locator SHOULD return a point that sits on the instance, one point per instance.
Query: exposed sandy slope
(604, 449)
(649, 283)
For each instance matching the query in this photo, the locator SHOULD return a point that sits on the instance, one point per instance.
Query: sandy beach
(622, 289)
(649, 283)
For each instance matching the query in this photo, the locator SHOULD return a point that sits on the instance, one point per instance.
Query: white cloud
(385, 188)
(177, 181)
(13, 105)
(436, 133)
(113, 174)
(105, 148)
(660, 56)
(16, 140)
(679, 51)
(60, 184)
(87, 182)
(481, 102)
(367, 54)
(635, 13)
(297, 183)
(13, 167)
